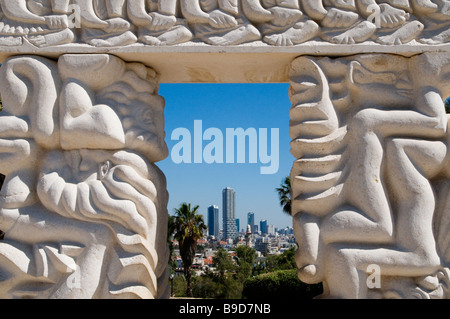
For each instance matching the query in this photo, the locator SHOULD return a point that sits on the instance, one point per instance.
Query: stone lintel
(202, 63)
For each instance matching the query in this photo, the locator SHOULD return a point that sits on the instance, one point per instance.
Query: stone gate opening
(84, 203)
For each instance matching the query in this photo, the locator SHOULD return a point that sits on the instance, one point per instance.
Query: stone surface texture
(83, 209)
(370, 183)
(109, 23)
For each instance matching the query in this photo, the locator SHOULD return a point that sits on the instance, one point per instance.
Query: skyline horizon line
(221, 213)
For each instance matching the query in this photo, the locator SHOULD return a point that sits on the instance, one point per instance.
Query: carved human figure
(104, 23)
(399, 224)
(340, 21)
(55, 258)
(123, 191)
(219, 22)
(117, 102)
(357, 21)
(158, 22)
(39, 21)
(395, 24)
(81, 223)
(436, 18)
(280, 22)
(411, 249)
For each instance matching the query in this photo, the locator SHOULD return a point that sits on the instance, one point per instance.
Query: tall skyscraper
(229, 219)
(263, 226)
(213, 220)
(251, 221)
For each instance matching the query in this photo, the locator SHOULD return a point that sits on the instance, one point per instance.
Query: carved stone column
(371, 181)
(83, 206)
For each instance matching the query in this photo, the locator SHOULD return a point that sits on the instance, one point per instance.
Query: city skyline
(213, 218)
(223, 106)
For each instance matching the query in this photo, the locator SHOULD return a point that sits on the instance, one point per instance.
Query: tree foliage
(284, 261)
(245, 260)
(284, 195)
(235, 278)
(281, 284)
(187, 226)
(223, 262)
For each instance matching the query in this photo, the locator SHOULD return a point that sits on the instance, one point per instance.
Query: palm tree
(187, 227)
(284, 194)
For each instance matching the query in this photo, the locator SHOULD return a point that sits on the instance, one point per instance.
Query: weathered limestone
(369, 184)
(218, 22)
(83, 207)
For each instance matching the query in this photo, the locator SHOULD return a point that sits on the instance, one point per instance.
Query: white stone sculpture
(104, 23)
(83, 205)
(83, 209)
(117, 23)
(370, 137)
(280, 22)
(105, 96)
(43, 23)
(436, 18)
(219, 22)
(341, 22)
(158, 22)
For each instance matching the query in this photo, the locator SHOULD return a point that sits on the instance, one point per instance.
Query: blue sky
(225, 106)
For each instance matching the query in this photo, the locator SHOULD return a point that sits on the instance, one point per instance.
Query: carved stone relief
(370, 183)
(83, 207)
(112, 23)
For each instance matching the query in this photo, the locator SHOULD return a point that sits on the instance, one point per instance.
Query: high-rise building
(213, 220)
(263, 226)
(270, 229)
(229, 219)
(251, 221)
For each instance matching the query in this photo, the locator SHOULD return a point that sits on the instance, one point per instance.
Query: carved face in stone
(119, 189)
(104, 186)
(117, 103)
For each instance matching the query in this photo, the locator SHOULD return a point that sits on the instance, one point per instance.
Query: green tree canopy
(284, 195)
(280, 285)
(282, 262)
(246, 257)
(223, 262)
(187, 227)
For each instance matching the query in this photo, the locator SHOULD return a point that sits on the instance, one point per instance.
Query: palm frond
(284, 195)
